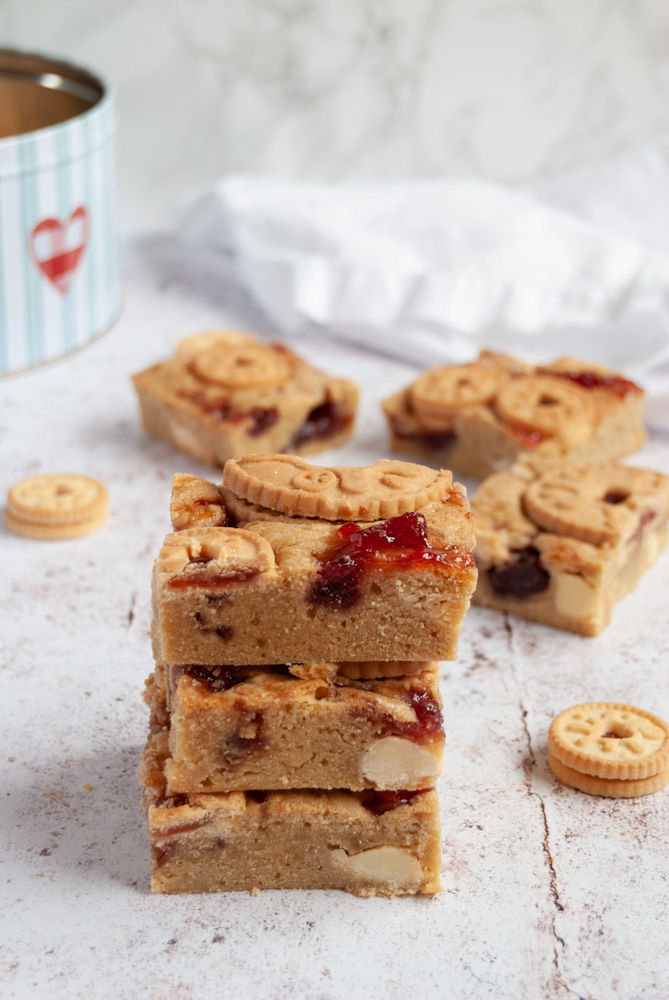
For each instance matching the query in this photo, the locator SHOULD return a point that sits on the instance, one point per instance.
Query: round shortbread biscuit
(53, 532)
(200, 342)
(58, 500)
(551, 406)
(371, 670)
(242, 366)
(610, 740)
(289, 484)
(243, 512)
(445, 390)
(613, 788)
(222, 552)
(600, 504)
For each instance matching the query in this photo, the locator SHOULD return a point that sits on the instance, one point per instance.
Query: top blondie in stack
(297, 732)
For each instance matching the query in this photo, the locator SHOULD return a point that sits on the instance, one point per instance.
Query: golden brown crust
(610, 740)
(289, 484)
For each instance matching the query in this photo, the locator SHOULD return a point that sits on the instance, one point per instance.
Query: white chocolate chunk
(574, 598)
(396, 763)
(385, 864)
(653, 543)
(187, 441)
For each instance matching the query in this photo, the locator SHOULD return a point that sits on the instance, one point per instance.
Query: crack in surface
(131, 609)
(559, 944)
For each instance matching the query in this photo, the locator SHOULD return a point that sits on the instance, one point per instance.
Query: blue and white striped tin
(59, 283)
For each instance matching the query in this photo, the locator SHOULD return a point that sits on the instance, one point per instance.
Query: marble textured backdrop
(328, 89)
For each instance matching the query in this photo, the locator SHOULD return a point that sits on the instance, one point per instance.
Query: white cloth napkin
(433, 270)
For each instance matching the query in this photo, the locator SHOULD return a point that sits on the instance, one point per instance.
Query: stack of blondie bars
(296, 731)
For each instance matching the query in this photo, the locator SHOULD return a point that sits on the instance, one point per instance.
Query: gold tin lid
(38, 92)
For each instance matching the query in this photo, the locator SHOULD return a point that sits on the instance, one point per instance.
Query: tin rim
(52, 73)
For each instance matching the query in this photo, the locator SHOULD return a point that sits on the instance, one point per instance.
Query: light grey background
(335, 89)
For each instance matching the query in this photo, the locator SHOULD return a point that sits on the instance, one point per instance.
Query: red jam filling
(429, 720)
(521, 576)
(223, 632)
(646, 518)
(399, 541)
(237, 745)
(201, 576)
(381, 802)
(615, 496)
(258, 797)
(322, 422)
(262, 420)
(222, 678)
(425, 728)
(216, 407)
(201, 510)
(220, 408)
(530, 439)
(593, 380)
(215, 678)
(435, 441)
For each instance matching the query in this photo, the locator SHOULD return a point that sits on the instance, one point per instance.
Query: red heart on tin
(57, 247)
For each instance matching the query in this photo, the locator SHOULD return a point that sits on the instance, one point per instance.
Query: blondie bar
(368, 843)
(227, 394)
(562, 545)
(353, 564)
(236, 728)
(482, 417)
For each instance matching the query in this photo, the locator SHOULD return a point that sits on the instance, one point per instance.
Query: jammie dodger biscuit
(609, 749)
(56, 506)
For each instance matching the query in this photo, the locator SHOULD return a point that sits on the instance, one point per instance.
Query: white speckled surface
(549, 893)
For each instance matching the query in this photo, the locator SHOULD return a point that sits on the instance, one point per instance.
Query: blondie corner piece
(227, 394)
(561, 546)
(312, 573)
(482, 417)
(370, 843)
(237, 729)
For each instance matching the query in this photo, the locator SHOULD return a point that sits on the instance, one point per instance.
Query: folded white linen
(433, 270)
